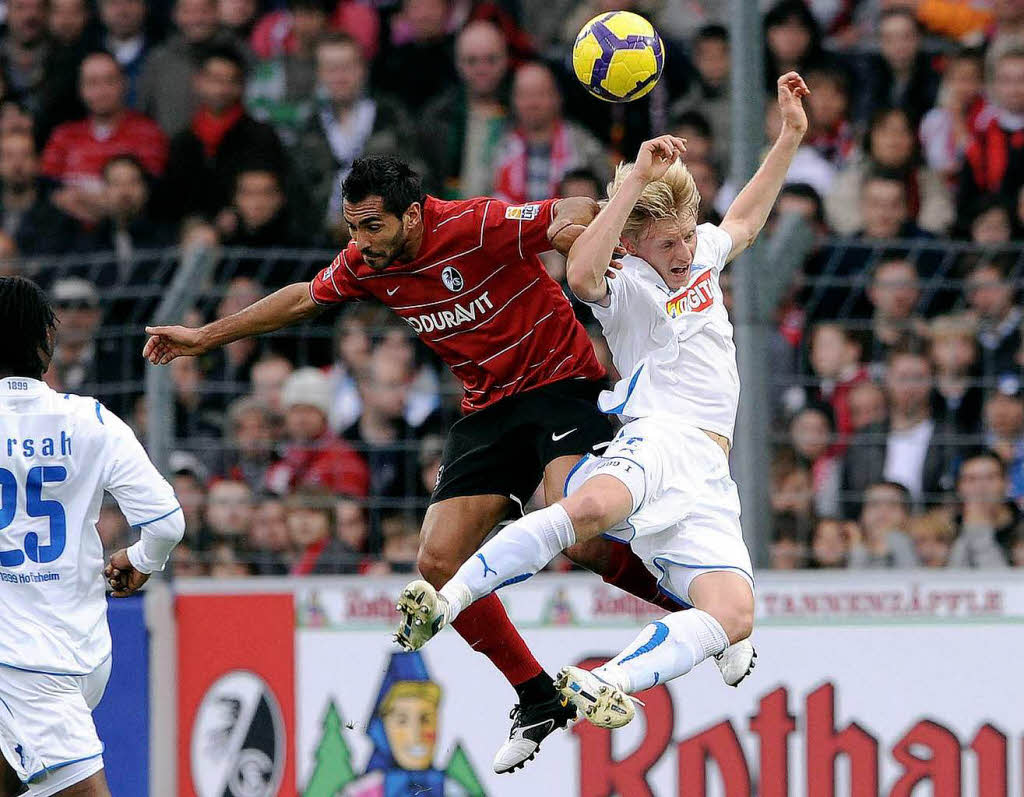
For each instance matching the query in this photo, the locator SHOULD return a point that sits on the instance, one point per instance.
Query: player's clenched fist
(656, 156)
(122, 576)
(167, 343)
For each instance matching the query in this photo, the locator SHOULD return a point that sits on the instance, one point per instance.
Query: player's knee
(591, 512)
(737, 620)
(435, 566)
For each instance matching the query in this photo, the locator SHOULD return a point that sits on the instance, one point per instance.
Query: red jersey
(478, 296)
(78, 149)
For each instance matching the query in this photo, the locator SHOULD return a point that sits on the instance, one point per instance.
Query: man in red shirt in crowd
(466, 277)
(77, 151)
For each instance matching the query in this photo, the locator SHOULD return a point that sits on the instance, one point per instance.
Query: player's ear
(628, 245)
(413, 215)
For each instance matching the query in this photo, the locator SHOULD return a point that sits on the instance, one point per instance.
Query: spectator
(419, 69)
(225, 561)
(829, 545)
(946, 129)
(883, 540)
(352, 526)
(709, 93)
(36, 72)
(311, 524)
(1006, 29)
(221, 141)
(828, 106)
(1004, 433)
(460, 129)
(709, 181)
(987, 520)
(188, 478)
(401, 542)
(352, 347)
(544, 146)
(956, 397)
(127, 225)
(995, 155)
(28, 214)
(891, 148)
(125, 37)
(811, 433)
(185, 562)
(894, 293)
(431, 449)
(792, 41)
(867, 405)
(282, 84)
(229, 368)
(67, 21)
(381, 435)
(251, 436)
(313, 457)
(991, 223)
(787, 551)
(77, 151)
(695, 129)
(229, 512)
(933, 534)
(885, 209)
(290, 32)
(269, 374)
(990, 296)
(196, 422)
(792, 488)
(346, 124)
(258, 218)
(269, 538)
(904, 449)
(238, 17)
(165, 88)
(78, 364)
(582, 182)
(900, 75)
(835, 357)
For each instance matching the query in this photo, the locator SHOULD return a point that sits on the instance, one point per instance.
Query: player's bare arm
(749, 211)
(289, 305)
(593, 250)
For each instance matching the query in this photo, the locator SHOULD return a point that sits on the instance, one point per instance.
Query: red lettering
(773, 723)
(720, 745)
(942, 767)
(824, 744)
(600, 774)
(989, 745)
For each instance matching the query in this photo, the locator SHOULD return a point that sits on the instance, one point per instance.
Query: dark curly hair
(391, 179)
(26, 323)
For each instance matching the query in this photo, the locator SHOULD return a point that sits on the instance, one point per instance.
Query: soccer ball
(618, 56)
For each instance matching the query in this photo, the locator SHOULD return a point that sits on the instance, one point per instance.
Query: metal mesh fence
(890, 362)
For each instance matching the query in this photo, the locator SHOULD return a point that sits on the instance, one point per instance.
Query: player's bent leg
(726, 596)
(93, 786)
(453, 529)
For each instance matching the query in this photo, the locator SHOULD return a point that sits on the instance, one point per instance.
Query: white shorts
(686, 509)
(46, 730)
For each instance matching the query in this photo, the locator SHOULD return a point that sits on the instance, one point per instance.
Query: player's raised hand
(656, 156)
(122, 577)
(167, 343)
(792, 90)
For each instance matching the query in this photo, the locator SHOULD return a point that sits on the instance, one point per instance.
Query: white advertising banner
(899, 685)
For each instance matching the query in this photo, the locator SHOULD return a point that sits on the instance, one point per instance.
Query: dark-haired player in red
(466, 277)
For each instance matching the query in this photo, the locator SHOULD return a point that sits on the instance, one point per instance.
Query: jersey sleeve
(335, 283)
(143, 495)
(617, 307)
(718, 243)
(517, 231)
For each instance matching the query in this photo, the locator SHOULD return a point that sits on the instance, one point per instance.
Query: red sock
(628, 573)
(487, 629)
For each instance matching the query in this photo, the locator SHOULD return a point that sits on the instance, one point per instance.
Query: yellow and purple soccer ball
(618, 56)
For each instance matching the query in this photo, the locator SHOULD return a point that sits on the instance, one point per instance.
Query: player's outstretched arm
(593, 250)
(291, 304)
(749, 211)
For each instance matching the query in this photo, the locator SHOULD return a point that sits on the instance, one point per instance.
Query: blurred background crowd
(137, 133)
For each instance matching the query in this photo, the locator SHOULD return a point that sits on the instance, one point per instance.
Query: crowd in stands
(130, 129)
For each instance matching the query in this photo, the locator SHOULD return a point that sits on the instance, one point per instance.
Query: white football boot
(737, 662)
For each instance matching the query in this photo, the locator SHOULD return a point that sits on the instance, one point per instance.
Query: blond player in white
(663, 485)
(58, 454)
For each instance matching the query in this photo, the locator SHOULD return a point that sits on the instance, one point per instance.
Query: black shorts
(503, 449)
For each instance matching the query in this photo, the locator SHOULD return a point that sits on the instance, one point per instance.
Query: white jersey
(674, 349)
(58, 454)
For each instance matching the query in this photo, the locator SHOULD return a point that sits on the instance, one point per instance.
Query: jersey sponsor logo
(694, 299)
(522, 212)
(450, 319)
(327, 272)
(238, 738)
(452, 279)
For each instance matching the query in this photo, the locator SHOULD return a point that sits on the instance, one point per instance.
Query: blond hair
(427, 691)
(673, 196)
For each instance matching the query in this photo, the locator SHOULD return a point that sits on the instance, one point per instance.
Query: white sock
(665, 650)
(512, 555)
